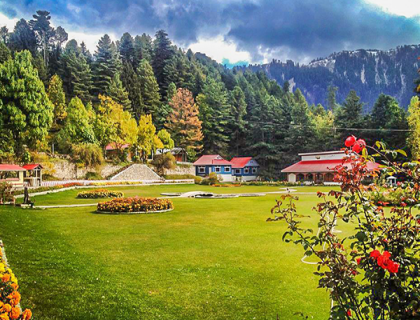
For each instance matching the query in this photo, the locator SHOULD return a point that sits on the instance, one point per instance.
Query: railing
(112, 183)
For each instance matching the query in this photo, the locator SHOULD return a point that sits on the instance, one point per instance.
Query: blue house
(238, 169)
(245, 168)
(213, 163)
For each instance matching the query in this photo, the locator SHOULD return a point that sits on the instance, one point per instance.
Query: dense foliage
(129, 91)
(373, 273)
(100, 193)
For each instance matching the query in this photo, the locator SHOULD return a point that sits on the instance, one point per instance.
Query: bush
(48, 177)
(135, 204)
(198, 180)
(100, 193)
(179, 176)
(213, 178)
(6, 193)
(163, 161)
(93, 176)
(88, 154)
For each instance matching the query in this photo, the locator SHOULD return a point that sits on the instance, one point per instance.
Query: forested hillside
(368, 72)
(145, 91)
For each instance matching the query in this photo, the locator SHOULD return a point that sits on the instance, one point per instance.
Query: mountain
(369, 72)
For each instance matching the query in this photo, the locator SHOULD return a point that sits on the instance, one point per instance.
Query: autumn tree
(26, 113)
(166, 139)
(183, 122)
(413, 139)
(146, 140)
(58, 99)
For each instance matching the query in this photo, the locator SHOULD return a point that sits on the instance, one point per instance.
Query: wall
(184, 169)
(65, 170)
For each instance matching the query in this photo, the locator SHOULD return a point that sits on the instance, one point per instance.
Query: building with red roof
(33, 174)
(318, 167)
(13, 174)
(238, 169)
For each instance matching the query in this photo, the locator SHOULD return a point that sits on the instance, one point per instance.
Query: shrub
(135, 204)
(163, 161)
(179, 176)
(88, 154)
(6, 193)
(373, 272)
(198, 180)
(213, 178)
(93, 176)
(100, 193)
(49, 177)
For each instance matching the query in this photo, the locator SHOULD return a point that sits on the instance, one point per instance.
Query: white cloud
(8, 22)
(218, 48)
(407, 8)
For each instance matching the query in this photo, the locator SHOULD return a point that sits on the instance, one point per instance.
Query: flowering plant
(9, 295)
(135, 204)
(100, 193)
(375, 272)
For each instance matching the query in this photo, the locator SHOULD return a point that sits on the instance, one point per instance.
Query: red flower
(393, 267)
(386, 254)
(350, 141)
(375, 254)
(359, 145)
(358, 260)
(385, 240)
(384, 262)
(349, 313)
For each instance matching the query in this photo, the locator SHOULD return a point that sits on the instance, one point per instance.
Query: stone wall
(66, 170)
(183, 169)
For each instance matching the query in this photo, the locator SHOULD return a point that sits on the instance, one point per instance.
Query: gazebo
(13, 174)
(33, 174)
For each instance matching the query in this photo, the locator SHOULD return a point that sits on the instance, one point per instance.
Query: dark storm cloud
(293, 28)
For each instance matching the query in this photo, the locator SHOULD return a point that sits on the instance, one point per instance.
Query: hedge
(100, 193)
(135, 205)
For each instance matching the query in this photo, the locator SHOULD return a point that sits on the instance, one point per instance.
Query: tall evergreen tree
(118, 93)
(58, 99)
(237, 123)
(126, 48)
(131, 82)
(4, 34)
(149, 89)
(143, 49)
(214, 114)
(41, 25)
(162, 52)
(4, 52)
(105, 66)
(23, 37)
(332, 100)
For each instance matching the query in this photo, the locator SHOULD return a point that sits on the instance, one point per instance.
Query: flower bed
(135, 205)
(100, 193)
(10, 297)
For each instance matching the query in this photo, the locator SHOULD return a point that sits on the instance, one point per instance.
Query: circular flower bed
(135, 205)
(100, 193)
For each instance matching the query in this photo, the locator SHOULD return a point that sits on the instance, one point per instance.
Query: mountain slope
(369, 72)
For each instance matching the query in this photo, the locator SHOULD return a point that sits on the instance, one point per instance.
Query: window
(254, 170)
(246, 170)
(217, 169)
(237, 171)
(227, 169)
(201, 169)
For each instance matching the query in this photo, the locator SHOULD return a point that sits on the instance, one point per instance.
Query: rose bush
(9, 295)
(375, 272)
(135, 204)
(100, 193)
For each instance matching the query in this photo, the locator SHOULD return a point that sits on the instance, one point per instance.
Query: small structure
(244, 168)
(180, 154)
(33, 174)
(13, 174)
(113, 150)
(214, 163)
(318, 167)
(391, 181)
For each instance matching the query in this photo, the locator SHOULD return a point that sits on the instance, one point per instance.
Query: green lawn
(207, 259)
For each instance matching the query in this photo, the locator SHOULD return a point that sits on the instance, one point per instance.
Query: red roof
(222, 162)
(115, 146)
(32, 166)
(11, 167)
(210, 159)
(240, 162)
(321, 166)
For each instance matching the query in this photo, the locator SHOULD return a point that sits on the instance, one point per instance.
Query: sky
(237, 31)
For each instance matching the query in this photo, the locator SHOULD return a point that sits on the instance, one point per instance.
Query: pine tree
(4, 34)
(4, 53)
(41, 25)
(149, 88)
(143, 49)
(165, 108)
(162, 52)
(126, 48)
(58, 99)
(105, 66)
(237, 123)
(118, 93)
(332, 101)
(131, 82)
(23, 37)
(26, 113)
(214, 114)
(183, 122)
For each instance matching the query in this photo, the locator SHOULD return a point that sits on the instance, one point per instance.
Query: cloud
(249, 30)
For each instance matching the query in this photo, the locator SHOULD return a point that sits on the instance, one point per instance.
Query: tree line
(149, 93)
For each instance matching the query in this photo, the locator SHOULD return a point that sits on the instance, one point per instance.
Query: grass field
(207, 259)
